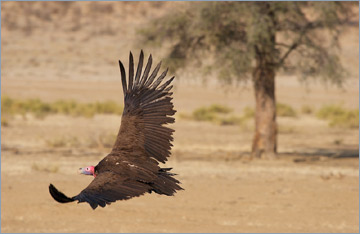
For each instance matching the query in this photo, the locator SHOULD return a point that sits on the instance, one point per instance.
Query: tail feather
(165, 183)
(59, 196)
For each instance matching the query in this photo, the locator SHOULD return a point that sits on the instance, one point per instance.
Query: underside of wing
(109, 187)
(148, 107)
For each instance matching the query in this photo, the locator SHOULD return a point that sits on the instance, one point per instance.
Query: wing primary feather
(158, 81)
(139, 69)
(168, 89)
(153, 75)
(146, 71)
(166, 83)
(123, 77)
(153, 95)
(131, 71)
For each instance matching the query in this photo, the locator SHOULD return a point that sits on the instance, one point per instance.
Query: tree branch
(303, 32)
(293, 47)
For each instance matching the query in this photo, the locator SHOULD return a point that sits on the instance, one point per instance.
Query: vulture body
(132, 167)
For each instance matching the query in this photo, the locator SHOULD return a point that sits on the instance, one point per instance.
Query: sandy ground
(219, 196)
(312, 187)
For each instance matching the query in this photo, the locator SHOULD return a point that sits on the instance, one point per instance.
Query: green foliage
(339, 116)
(226, 36)
(40, 109)
(285, 110)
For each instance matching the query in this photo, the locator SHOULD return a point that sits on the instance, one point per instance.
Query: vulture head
(90, 170)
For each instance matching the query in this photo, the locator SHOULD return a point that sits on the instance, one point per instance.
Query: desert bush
(67, 107)
(285, 110)
(338, 116)
(329, 111)
(216, 108)
(231, 120)
(37, 107)
(7, 105)
(305, 109)
(350, 119)
(218, 114)
(210, 113)
(204, 114)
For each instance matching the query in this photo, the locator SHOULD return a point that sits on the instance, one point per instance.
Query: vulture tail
(165, 183)
(59, 196)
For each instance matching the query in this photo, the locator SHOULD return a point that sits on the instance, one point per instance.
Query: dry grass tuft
(338, 116)
(285, 110)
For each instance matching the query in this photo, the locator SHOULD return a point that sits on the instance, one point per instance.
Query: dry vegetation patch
(339, 116)
(40, 109)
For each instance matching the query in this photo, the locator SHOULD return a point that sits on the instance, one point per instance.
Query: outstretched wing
(131, 169)
(107, 187)
(148, 108)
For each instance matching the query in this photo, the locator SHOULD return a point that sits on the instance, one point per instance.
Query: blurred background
(61, 105)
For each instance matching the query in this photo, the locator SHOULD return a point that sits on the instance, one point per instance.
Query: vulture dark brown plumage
(132, 167)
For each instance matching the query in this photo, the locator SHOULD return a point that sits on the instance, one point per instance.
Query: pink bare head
(90, 170)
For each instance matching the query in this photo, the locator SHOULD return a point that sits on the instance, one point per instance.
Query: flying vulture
(132, 167)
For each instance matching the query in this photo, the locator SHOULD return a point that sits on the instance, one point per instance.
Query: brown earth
(312, 187)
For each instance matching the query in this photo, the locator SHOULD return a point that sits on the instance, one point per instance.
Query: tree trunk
(264, 142)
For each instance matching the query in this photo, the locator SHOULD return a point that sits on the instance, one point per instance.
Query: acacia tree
(255, 40)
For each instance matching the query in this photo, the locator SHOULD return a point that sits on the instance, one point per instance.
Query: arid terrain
(313, 186)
